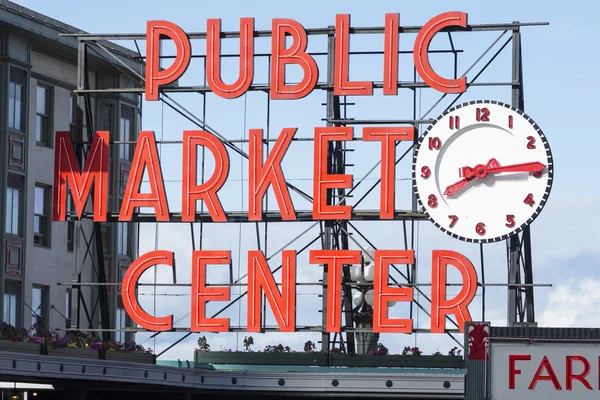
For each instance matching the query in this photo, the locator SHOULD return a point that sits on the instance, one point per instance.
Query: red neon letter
(341, 85)
(512, 370)
(578, 377)
(155, 77)
(545, 364)
(440, 307)
(269, 173)
(388, 137)
(323, 180)
(390, 54)
(132, 275)
(145, 156)
(260, 278)
(384, 294)
(95, 171)
(213, 59)
(202, 294)
(333, 261)
(296, 54)
(421, 48)
(207, 191)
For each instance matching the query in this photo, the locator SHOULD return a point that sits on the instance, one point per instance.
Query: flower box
(20, 347)
(74, 352)
(332, 360)
(395, 361)
(141, 358)
(259, 358)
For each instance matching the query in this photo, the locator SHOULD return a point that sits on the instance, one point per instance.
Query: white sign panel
(547, 371)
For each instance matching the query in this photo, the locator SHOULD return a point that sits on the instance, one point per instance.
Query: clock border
(542, 202)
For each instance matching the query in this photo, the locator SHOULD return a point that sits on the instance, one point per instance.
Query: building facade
(39, 258)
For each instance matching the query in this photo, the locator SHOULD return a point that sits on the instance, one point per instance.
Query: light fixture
(14, 397)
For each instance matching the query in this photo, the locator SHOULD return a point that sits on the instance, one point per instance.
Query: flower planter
(141, 358)
(74, 352)
(323, 360)
(20, 347)
(256, 358)
(395, 361)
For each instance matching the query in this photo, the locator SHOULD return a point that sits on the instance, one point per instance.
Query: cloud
(573, 304)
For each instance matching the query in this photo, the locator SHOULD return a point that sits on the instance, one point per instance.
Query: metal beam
(311, 31)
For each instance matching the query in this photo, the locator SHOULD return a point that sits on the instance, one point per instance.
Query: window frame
(12, 288)
(47, 228)
(18, 80)
(45, 309)
(45, 140)
(14, 183)
(126, 150)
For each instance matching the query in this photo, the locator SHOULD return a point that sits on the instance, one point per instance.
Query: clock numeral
(510, 220)
(480, 229)
(454, 218)
(435, 143)
(425, 172)
(530, 143)
(454, 122)
(482, 114)
(529, 200)
(433, 202)
(510, 121)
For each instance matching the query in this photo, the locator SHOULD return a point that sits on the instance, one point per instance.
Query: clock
(482, 171)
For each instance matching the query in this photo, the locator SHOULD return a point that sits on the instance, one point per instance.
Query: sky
(560, 86)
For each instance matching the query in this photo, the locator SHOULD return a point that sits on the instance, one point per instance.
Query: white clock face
(482, 171)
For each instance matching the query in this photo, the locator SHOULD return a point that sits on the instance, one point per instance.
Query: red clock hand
(524, 167)
(454, 188)
(480, 171)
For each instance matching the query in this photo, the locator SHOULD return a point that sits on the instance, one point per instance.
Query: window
(73, 111)
(12, 302)
(41, 222)
(123, 239)
(68, 305)
(120, 324)
(106, 239)
(13, 210)
(127, 117)
(39, 309)
(42, 118)
(17, 100)
(70, 223)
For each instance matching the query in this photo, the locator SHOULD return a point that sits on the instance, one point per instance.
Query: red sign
(267, 174)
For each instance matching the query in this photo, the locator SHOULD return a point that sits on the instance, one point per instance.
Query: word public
(295, 54)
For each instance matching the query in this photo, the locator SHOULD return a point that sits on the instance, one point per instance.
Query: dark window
(17, 100)
(39, 309)
(68, 306)
(127, 118)
(43, 116)
(70, 223)
(123, 239)
(41, 220)
(12, 302)
(14, 205)
(106, 239)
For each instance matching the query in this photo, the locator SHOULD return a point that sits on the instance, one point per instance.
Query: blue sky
(561, 85)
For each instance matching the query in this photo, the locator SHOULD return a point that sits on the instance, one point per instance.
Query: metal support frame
(520, 299)
(333, 234)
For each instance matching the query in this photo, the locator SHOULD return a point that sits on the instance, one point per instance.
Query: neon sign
(265, 172)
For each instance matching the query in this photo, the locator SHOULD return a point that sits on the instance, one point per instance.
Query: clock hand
(480, 171)
(524, 167)
(454, 188)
